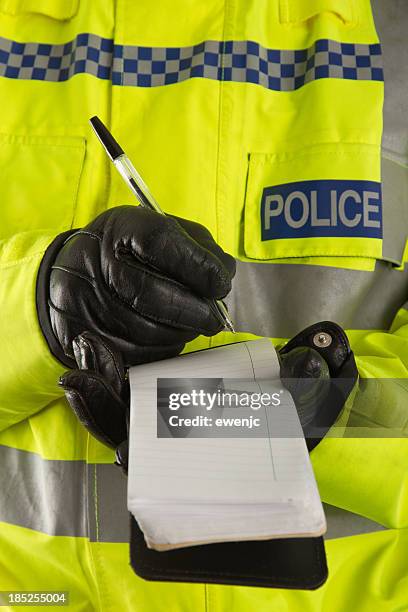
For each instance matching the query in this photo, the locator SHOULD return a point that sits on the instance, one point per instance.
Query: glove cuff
(42, 293)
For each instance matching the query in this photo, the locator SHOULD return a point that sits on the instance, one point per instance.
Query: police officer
(259, 127)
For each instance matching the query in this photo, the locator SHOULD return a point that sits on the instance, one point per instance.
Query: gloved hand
(319, 370)
(98, 390)
(317, 366)
(142, 281)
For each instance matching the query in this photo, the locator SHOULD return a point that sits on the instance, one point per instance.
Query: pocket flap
(321, 200)
(40, 180)
(298, 11)
(56, 9)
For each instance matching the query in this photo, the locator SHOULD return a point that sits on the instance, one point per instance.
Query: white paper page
(168, 472)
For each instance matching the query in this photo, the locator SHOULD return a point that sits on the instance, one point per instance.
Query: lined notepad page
(268, 479)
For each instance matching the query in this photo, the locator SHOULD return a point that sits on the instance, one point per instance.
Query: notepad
(227, 482)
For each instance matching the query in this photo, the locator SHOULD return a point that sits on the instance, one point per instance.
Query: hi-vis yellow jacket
(261, 119)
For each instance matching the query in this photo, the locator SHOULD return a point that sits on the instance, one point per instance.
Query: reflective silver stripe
(110, 522)
(48, 496)
(391, 20)
(395, 213)
(72, 498)
(279, 300)
(63, 498)
(243, 61)
(342, 524)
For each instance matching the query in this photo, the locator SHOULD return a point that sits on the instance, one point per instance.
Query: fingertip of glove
(230, 264)
(83, 351)
(303, 362)
(62, 381)
(221, 283)
(71, 380)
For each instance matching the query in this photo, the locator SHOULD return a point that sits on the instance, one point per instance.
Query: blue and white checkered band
(238, 61)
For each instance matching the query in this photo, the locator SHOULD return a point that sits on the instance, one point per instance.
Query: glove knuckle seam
(86, 232)
(149, 316)
(75, 273)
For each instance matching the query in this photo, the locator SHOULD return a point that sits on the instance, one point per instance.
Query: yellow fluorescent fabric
(206, 148)
(28, 372)
(352, 473)
(49, 565)
(369, 572)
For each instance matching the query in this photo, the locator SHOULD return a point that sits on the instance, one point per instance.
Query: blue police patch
(338, 208)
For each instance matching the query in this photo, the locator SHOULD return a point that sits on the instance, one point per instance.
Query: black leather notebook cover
(291, 563)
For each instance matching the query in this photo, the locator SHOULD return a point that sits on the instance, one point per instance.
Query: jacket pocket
(60, 10)
(40, 178)
(320, 200)
(292, 12)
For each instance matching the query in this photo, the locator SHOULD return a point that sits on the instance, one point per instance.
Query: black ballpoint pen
(140, 190)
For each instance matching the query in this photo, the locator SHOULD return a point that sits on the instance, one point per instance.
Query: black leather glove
(98, 390)
(319, 370)
(317, 366)
(142, 281)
